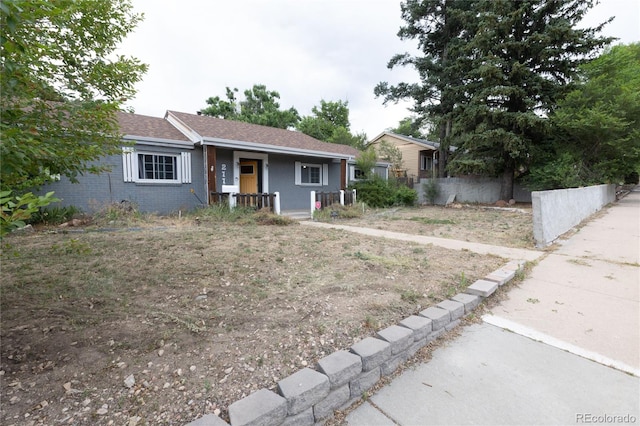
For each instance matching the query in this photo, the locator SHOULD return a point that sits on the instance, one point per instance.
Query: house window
(358, 174)
(355, 173)
(311, 174)
(147, 167)
(157, 167)
(425, 162)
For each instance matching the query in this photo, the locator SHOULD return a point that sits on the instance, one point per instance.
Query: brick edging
(339, 380)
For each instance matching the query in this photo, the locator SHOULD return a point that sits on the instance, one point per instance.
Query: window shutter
(128, 164)
(186, 167)
(298, 177)
(325, 174)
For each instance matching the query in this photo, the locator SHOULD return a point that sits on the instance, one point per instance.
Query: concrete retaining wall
(310, 396)
(555, 212)
(471, 190)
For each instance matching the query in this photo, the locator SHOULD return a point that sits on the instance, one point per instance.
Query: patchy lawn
(201, 316)
(508, 227)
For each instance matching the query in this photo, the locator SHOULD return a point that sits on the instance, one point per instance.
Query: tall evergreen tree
(525, 58)
(441, 27)
(508, 64)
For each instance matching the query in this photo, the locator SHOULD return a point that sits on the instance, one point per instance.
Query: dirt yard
(159, 324)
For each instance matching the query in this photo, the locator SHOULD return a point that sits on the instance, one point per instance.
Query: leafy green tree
(15, 210)
(508, 64)
(390, 153)
(330, 123)
(596, 127)
(60, 89)
(366, 161)
(220, 108)
(409, 126)
(260, 106)
(61, 86)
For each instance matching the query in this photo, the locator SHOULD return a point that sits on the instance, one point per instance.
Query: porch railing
(320, 200)
(270, 201)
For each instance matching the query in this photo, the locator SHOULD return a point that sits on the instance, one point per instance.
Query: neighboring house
(419, 156)
(178, 161)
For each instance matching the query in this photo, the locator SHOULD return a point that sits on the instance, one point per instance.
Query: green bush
(54, 215)
(377, 192)
(431, 191)
(406, 196)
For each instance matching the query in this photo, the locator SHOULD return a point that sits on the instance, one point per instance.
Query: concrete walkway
(545, 355)
(506, 252)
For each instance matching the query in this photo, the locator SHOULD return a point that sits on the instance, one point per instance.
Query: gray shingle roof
(150, 127)
(212, 128)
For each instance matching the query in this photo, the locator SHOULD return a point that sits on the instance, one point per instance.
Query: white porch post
(354, 196)
(276, 203)
(342, 197)
(232, 200)
(313, 201)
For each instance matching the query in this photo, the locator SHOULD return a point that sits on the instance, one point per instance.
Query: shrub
(405, 196)
(431, 191)
(54, 215)
(377, 192)
(338, 211)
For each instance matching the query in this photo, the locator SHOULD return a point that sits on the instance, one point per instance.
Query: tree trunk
(443, 150)
(506, 188)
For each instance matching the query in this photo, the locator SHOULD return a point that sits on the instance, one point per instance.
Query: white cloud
(307, 50)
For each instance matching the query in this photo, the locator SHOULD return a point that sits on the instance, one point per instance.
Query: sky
(306, 50)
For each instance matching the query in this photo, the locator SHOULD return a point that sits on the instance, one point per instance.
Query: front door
(248, 176)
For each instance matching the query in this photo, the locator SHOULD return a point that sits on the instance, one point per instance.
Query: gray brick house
(178, 161)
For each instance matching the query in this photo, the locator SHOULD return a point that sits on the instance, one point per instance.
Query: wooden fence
(328, 198)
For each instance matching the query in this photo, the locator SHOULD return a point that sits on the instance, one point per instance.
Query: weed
(369, 322)
(410, 296)
(71, 246)
(578, 262)
(464, 281)
(428, 221)
(532, 300)
(361, 256)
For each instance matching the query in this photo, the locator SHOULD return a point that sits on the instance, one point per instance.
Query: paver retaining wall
(557, 211)
(310, 396)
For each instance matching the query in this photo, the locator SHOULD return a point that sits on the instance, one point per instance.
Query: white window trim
(324, 174)
(130, 166)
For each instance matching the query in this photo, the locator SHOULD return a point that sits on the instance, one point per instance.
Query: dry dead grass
(204, 315)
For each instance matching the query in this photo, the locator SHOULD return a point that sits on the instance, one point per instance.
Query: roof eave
(170, 143)
(275, 149)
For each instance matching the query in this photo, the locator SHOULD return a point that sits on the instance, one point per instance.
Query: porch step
(297, 214)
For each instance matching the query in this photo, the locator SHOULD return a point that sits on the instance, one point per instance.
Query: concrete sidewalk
(587, 292)
(544, 356)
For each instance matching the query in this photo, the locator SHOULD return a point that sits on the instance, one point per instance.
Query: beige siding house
(419, 156)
